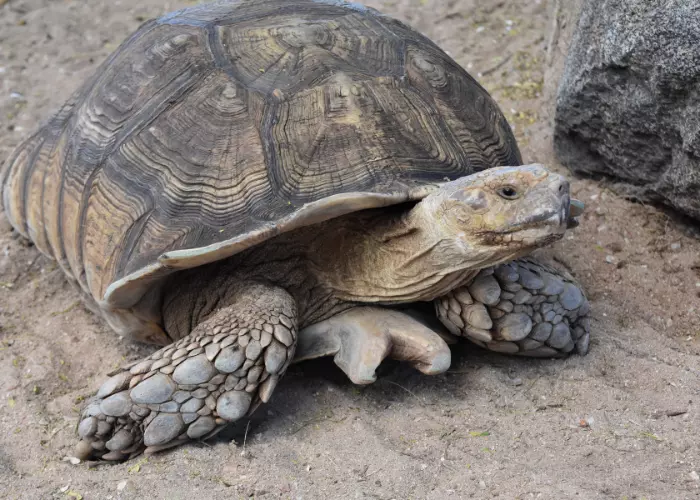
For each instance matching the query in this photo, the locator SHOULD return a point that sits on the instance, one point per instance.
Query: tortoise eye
(508, 192)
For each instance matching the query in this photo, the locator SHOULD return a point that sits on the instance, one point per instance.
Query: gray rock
(627, 105)
(194, 370)
(153, 390)
(233, 405)
(117, 405)
(162, 429)
(201, 427)
(229, 360)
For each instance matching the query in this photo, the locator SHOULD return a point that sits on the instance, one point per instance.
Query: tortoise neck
(390, 258)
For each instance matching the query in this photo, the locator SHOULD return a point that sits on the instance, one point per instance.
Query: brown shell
(216, 127)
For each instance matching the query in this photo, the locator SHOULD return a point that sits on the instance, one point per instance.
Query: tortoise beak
(576, 208)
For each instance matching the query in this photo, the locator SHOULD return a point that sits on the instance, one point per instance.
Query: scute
(217, 127)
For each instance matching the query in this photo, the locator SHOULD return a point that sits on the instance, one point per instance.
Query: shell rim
(126, 292)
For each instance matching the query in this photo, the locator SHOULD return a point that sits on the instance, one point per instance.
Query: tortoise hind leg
(217, 374)
(361, 338)
(523, 307)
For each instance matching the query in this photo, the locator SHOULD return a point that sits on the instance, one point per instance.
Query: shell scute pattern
(224, 124)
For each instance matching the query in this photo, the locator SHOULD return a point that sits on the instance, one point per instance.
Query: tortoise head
(501, 213)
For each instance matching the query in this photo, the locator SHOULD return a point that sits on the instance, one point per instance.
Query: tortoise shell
(217, 127)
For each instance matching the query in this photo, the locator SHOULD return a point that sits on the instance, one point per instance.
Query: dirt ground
(619, 423)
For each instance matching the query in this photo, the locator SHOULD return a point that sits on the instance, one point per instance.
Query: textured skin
(217, 122)
(220, 372)
(531, 310)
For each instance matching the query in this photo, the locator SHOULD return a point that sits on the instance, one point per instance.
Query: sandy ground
(619, 423)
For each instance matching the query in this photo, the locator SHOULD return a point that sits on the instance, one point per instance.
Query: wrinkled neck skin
(396, 259)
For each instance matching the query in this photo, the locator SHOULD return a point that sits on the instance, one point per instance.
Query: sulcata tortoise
(243, 182)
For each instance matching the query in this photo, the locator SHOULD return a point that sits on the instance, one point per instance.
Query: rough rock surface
(629, 99)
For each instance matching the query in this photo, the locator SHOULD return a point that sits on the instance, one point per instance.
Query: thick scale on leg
(523, 307)
(361, 338)
(191, 389)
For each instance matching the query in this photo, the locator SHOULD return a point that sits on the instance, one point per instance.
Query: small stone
(541, 332)
(560, 336)
(88, 427)
(162, 429)
(194, 370)
(116, 405)
(485, 289)
(283, 334)
(514, 327)
(201, 427)
(154, 390)
(229, 360)
(275, 357)
(571, 297)
(211, 351)
(521, 297)
(253, 350)
(114, 384)
(120, 441)
(476, 316)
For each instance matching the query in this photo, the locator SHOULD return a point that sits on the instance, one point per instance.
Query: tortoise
(253, 183)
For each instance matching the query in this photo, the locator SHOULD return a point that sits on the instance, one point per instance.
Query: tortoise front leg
(523, 307)
(217, 374)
